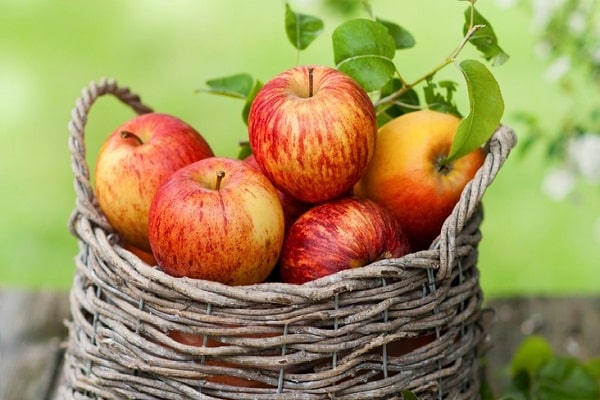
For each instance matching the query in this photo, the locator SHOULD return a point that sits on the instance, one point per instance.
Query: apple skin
(134, 161)
(230, 232)
(404, 174)
(338, 235)
(312, 146)
(145, 256)
(292, 208)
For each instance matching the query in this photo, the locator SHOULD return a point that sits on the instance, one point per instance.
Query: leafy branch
(427, 76)
(537, 373)
(568, 33)
(364, 49)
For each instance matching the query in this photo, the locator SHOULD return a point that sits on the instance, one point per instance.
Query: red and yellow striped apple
(217, 219)
(312, 130)
(337, 235)
(134, 161)
(292, 207)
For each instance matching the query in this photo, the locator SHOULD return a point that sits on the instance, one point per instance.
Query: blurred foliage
(536, 373)
(568, 42)
(343, 7)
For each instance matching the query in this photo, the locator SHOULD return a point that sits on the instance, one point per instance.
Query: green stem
(449, 60)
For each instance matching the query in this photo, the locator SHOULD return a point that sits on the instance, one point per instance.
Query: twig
(450, 59)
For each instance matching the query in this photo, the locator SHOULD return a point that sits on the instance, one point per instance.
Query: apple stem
(220, 176)
(444, 169)
(128, 134)
(310, 81)
(443, 166)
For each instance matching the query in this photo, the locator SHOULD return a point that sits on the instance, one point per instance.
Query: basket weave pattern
(414, 322)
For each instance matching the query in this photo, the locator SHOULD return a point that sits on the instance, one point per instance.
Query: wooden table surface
(32, 333)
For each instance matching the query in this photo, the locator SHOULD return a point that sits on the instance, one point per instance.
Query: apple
(217, 219)
(134, 161)
(145, 256)
(312, 130)
(407, 177)
(338, 235)
(292, 207)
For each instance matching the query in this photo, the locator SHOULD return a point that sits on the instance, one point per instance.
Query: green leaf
(249, 99)
(301, 29)
(486, 108)
(403, 38)
(408, 395)
(245, 150)
(438, 101)
(343, 7)
(407, 102)
(566, 378)
(238, 85)
(484, 39)
(533, 352)
(364, 49)
(593, 365)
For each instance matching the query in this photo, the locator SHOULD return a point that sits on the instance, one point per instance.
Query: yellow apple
(406, 173)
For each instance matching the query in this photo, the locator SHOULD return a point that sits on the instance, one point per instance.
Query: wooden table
(32, 333)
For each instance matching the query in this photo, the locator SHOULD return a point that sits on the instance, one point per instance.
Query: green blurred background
(163, 50)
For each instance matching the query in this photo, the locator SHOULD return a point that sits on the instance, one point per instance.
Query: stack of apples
(324, 190)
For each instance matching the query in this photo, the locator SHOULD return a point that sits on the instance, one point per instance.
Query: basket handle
(86, 203)
(498, 149)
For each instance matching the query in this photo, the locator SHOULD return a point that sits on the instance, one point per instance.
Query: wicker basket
(413, 323)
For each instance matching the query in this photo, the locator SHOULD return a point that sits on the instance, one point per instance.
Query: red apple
(406, 174)
(134, 161)
(217, 219)
(312, 131)
(338, 235)
(292, 208)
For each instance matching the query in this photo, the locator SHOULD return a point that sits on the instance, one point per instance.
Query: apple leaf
(237, 85)
(364, 49)
(442, 102)
(301, 29)
(486, 107)
(407, 102)
(403, 38)
(245, 150)
(249, 98)
(484, 39)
